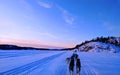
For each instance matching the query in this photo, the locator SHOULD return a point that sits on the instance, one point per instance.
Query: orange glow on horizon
(34, 43)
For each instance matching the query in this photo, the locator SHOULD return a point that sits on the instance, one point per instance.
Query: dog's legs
(72, 73)
(79, 73)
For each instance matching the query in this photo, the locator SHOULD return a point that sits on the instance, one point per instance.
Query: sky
(57, 23)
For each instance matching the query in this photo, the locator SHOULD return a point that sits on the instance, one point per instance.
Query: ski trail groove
(87, 69)
(30, 66)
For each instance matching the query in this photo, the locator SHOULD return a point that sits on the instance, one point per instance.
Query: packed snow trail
(32, 65)
(87, 69)
(54, 63)
(57, 66)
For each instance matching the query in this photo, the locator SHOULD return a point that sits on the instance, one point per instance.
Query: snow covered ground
(33, 62)
(99, 47)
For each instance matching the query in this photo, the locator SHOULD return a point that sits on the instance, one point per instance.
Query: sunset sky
(59, 23)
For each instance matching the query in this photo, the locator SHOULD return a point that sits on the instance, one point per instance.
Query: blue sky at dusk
(60, 23)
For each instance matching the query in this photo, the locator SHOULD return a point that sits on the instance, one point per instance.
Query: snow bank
(99, 47)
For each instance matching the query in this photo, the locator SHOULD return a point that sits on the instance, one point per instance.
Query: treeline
(14, 47)
(109, 39)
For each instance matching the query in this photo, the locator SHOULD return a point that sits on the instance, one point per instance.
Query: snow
(33, 62)
(100, 47)
(100, 63)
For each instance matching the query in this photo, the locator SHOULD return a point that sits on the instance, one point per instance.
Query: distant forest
(110, 39)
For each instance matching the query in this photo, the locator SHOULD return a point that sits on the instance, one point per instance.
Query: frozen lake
(33, 62)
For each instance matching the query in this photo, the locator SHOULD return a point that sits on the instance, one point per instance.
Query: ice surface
(33, 62)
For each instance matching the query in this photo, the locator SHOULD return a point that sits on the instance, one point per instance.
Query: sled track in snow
(87, 69)
(31, 66)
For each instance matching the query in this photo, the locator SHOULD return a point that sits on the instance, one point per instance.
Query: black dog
(74, 59)
(78, 66)
(71, 66)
